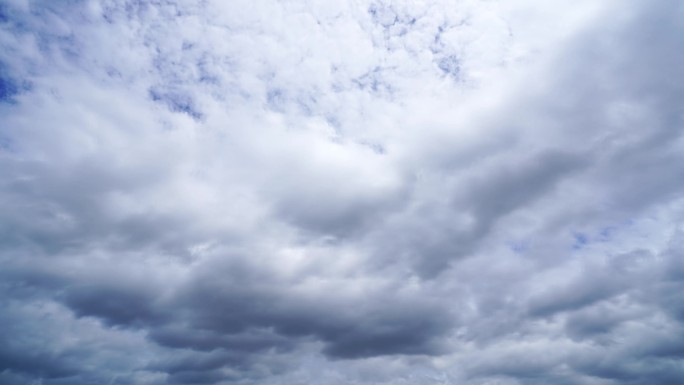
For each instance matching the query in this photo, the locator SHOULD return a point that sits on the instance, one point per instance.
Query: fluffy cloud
(362, 192)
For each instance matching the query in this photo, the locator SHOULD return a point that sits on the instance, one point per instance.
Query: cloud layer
(366, 192)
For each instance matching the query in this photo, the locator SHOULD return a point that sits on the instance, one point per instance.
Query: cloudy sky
(388, 192)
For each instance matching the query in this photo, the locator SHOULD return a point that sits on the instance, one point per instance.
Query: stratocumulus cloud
(367, 192)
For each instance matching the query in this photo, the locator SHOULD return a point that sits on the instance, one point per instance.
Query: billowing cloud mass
(351, 192)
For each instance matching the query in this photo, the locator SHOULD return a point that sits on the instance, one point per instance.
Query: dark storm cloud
(239, 308)
(232, 313)
(36, 363)
(251, 340)
(197, 377)
(257, 298)
(122, 305)
(436, 240)
(594, 322)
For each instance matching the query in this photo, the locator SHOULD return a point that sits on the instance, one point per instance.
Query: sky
(386, 192)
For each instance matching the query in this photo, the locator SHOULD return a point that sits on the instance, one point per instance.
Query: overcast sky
(388, 192)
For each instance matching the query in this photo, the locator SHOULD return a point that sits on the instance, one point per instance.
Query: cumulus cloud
(258, 192)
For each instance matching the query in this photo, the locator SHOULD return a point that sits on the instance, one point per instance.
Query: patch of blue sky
(607, 233)
(304, 102)
(51, 38)
(580, 240)
(13, 21)
(6, 144)
(519, 246)
(307, 104)
(206, 75)
(438, 36)
(8, 89)
(176, 102)
(387, 16)
(276, 99)
(135, 9)
(450, 66)
(4, 14)
(373, 81)
(69, 48)
(10, 85)
(377, 148)
(132, 10)
(333, 121)
(383, 15)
